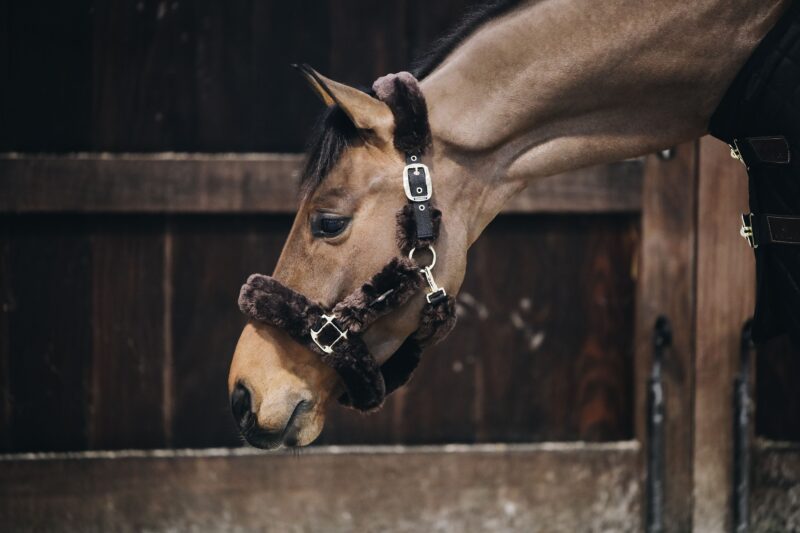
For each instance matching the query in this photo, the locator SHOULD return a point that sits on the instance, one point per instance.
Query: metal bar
(741, 435)
(662, 339)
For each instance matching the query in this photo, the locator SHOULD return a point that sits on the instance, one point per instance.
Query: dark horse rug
(759, 116)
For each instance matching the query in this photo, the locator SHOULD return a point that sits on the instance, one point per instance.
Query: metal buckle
(418, 195)
(329, 321)
(746, 231)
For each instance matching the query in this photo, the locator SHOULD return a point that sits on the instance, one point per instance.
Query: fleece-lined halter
(335, 333)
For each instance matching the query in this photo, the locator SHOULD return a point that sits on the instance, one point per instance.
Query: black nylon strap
(422, 210)
(776, 229)
(770, 150)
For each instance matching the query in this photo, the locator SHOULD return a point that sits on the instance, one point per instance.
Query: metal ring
(433, 252)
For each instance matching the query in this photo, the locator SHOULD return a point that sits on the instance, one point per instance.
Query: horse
(518, 91)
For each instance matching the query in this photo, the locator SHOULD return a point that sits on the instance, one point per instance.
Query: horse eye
(328, 224)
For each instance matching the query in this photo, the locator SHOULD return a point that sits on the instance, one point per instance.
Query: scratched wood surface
(533, 488)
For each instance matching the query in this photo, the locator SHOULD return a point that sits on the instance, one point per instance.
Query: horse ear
(366, 112)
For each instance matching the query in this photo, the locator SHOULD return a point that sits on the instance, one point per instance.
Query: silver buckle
(418, 195)
(329, 321)
(746, 231)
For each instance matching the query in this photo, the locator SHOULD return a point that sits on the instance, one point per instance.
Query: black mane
(476, 17)
(334, 131)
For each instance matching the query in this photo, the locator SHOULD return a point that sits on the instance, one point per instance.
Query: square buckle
(417, 195)
(329, 321)
(746, 231)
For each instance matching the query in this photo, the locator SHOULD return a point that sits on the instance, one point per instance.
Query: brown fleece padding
(387, 290)
(401, 92)
(265, 299)
(407, 229)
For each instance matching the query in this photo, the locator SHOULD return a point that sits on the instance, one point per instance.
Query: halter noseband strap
(335, 334)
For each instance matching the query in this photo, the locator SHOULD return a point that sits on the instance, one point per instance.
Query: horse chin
(279, 390)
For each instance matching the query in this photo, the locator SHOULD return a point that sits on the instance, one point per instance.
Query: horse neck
(555, 85)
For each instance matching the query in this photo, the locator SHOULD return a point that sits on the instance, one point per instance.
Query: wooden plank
(249, 183)
(666, 287)
(51, 341)
(725, 299)
(550, 338)
(211, 258)
(356, 26)
(128, 356)
(47, 92)
(221, 40)
(6, 308)
(143, 86)
(775, 493)
(283, 107)
(535, 488)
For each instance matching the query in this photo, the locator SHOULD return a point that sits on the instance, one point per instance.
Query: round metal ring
(433, 252)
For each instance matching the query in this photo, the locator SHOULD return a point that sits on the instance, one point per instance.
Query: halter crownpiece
(335, 333)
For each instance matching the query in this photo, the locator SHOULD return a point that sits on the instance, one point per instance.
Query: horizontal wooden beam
(248, 183)
(544, 487)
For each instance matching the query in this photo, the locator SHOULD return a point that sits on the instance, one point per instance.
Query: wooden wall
(119, 315)
(118, 279)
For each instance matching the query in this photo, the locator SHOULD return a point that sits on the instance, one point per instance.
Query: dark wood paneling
(47, 99)
(283, 107)
(358, 26)
(542, 350)
(144, 89)
(778, 390)
(211, 258)
(552, 487)
(224, 74)
(128, 349)
(248, 183)
(51, 340)
(193, 76)
(666, 286)
(6, 307)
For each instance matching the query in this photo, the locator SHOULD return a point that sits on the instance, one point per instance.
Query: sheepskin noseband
(335, 333)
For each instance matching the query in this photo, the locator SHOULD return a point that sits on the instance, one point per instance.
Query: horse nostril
(240, 402)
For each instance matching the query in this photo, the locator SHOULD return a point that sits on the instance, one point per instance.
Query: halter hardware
(419, 191)
(329, 321)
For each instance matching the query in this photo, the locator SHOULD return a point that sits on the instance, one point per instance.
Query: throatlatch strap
(771, 229)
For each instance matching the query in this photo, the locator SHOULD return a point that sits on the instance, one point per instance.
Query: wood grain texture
(555, 487)
(211, 258)
(541, 351)
(666, 286)
(725, 300)
(250, 183)
(51, 340)
(128, 359)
